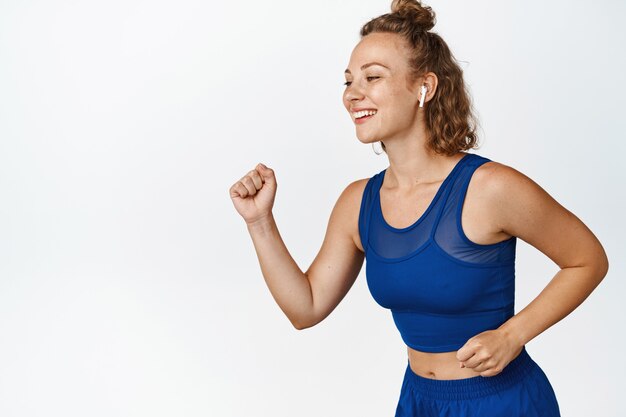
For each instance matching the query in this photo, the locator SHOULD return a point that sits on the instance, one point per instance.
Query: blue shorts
(521, 389)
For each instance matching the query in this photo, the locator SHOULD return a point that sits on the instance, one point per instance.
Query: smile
(363, 116)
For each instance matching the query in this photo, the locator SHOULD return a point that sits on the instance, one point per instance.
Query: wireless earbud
(424, 90)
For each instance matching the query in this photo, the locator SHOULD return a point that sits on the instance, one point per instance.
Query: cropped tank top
(440, 287)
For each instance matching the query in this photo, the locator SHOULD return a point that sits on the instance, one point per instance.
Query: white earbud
(424, 90)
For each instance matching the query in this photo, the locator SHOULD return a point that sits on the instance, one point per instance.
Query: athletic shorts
(521, 389)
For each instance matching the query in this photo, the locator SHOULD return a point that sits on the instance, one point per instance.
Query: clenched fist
(253, 195)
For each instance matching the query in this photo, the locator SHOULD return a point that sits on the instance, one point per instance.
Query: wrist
(512, 332)
(261, 223)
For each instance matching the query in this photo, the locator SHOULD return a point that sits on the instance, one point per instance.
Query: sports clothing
(520, 390)
(441, 288)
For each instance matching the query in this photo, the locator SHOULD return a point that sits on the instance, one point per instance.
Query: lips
(363, 119)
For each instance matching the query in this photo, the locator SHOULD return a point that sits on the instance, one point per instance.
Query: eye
(347, 83)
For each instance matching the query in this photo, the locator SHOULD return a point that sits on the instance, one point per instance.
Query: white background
(129, 285)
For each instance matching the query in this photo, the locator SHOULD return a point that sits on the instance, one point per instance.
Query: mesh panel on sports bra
(441, 222)
(391, 242)
(449, 234)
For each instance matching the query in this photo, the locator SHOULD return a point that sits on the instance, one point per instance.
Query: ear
(430, 80)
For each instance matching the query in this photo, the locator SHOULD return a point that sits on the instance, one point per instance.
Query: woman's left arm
(523, 209)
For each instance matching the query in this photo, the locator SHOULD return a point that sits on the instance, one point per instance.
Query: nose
(353, 92)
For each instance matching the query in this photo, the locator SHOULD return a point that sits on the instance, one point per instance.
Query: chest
(477, 211)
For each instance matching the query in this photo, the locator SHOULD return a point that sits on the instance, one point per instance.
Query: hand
(253, 195)
(488, 353)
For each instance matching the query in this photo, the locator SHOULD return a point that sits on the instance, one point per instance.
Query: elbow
(604, 267)
(306, 318)
(302, 324)
(601, 266)
(299, 326)
(603, 263)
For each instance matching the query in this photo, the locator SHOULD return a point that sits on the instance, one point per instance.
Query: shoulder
(349, 201)
(502, 181)
(497, 177)
(514, 198)
(347, 209)
(354, 192)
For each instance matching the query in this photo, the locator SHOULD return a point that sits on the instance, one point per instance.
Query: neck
(411, 163)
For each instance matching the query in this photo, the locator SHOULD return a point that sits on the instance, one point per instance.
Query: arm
(522, 208)
(530, 213)
(308, 297)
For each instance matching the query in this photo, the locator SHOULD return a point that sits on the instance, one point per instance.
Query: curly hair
(450, 121)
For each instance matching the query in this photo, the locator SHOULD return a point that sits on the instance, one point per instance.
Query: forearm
(287, 283)
(566, 291)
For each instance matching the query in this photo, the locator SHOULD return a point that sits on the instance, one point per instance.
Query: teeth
(363, 113)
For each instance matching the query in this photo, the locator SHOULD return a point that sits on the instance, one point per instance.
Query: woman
(438, 228)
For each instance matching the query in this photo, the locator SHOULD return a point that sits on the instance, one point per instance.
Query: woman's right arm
(308, 297)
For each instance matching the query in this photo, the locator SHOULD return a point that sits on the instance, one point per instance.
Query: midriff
(442, 365)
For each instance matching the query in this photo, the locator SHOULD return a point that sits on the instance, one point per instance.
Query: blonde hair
(450, 121)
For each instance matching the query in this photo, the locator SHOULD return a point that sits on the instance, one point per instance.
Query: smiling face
(378, 79)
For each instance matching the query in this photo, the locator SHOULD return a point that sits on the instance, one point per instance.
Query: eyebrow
(367, 65)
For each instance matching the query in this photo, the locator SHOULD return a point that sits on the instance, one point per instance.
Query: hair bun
(422, 15)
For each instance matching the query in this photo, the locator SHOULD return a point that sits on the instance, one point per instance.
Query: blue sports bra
(441, 288)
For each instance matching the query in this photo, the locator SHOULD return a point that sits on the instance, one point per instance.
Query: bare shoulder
(496, 175)
(504, 186)
(507, 191)
(348, 207)
(481, 205)
(522, 208)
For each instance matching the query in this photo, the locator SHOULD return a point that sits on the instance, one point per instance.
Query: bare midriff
(442, 365)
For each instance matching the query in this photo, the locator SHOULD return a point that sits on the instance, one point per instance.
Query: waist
(441, 365)
(435, 333)
(472, 386)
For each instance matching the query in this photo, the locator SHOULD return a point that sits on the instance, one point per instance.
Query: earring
(377, 153)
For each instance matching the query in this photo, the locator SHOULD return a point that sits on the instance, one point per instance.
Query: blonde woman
(438, 228)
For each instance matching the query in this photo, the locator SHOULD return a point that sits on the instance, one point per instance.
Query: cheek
(404, 104)
(391, 97)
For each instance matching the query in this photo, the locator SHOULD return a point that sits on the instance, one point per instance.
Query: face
(377, 79)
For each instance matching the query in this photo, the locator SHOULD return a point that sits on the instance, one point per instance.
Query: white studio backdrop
(129, 285)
